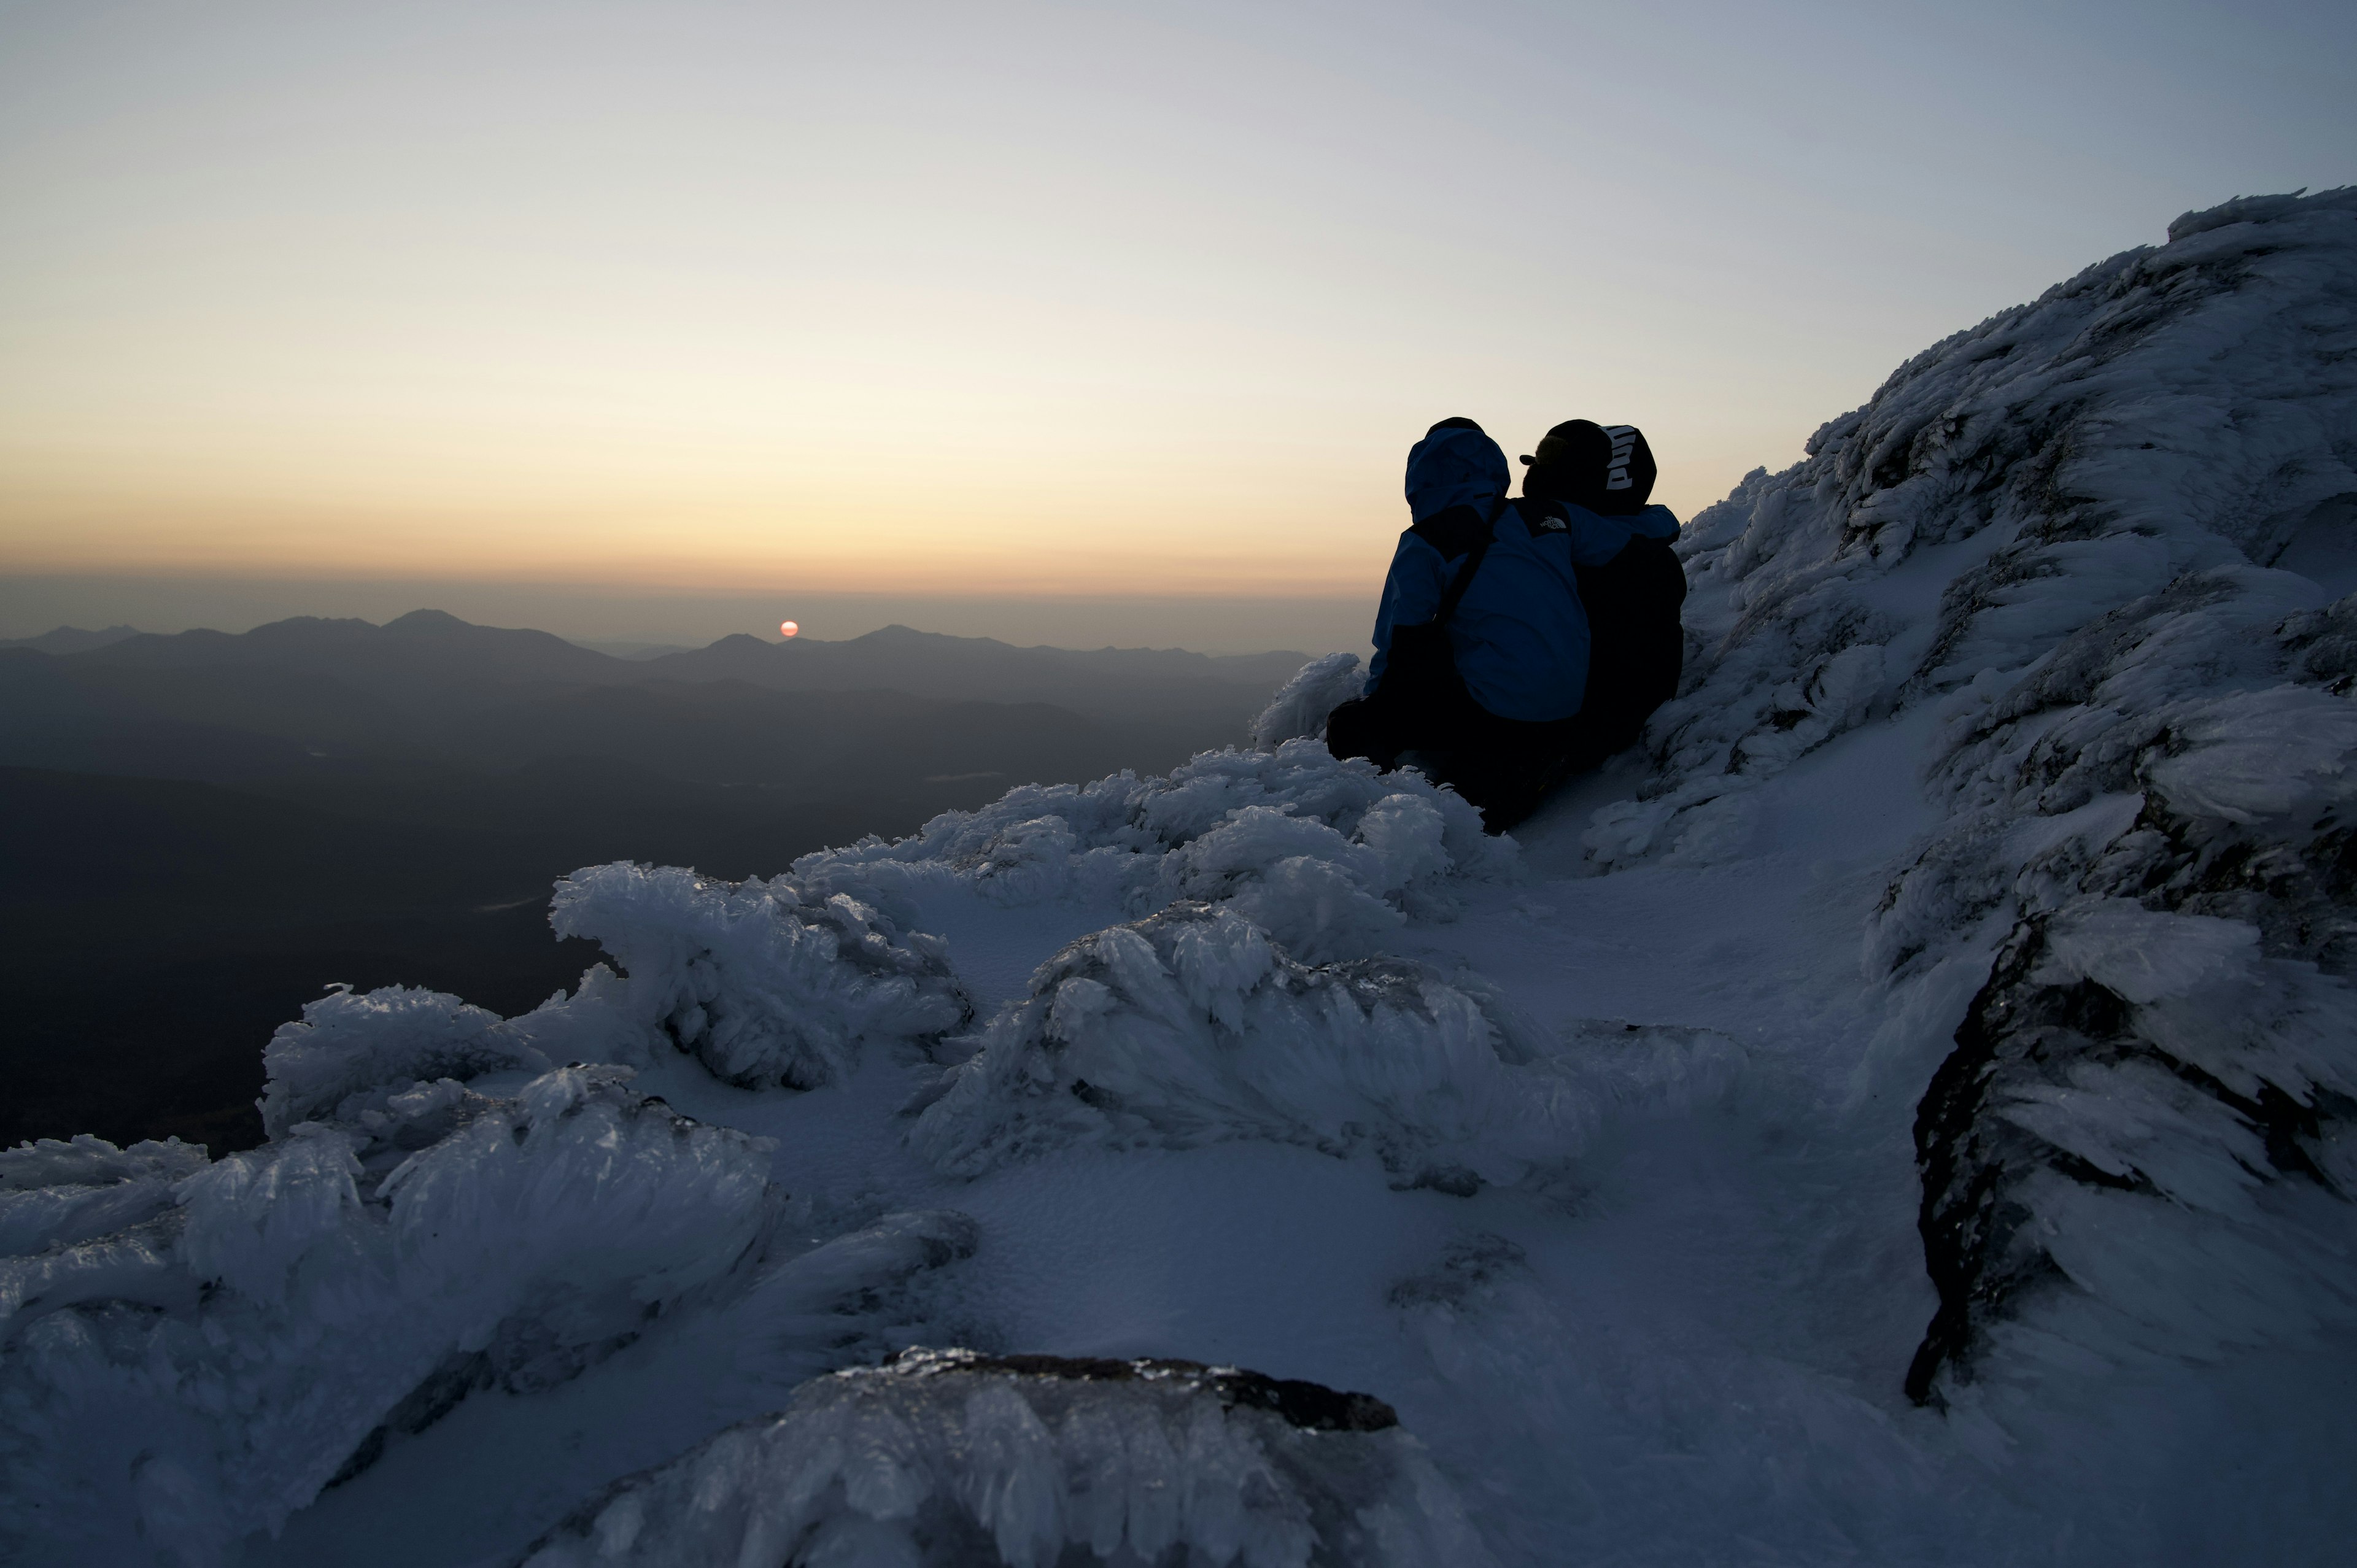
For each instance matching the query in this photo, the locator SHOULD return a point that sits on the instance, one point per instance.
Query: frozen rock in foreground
(2171, 409)
(347, 1045)
(54, 1193)
(951, 1458)
(208, 1368)
(763, 984)
(1192, 1027)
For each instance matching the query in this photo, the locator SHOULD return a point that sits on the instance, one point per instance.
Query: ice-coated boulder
(1192, 1026)
(347, 1045)
(2141, 1138)
(207, 1367)
(763, 984)
(2140, 1146)
(953, 1458)
(54, 1193)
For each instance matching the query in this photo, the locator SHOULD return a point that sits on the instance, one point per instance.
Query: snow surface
(1899, 1115)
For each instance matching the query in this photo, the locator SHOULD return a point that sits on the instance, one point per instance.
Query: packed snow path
(1899, 1118)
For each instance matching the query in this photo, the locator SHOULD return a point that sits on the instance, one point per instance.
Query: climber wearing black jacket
(1632, 598)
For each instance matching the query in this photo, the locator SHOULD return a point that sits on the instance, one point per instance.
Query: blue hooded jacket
(1519, 633)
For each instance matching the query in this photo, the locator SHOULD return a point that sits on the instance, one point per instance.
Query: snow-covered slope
(1903, 1116)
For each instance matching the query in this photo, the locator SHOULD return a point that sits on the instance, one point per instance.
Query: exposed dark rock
(1313, 1407)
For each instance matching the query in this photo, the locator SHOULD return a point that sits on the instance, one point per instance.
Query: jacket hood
(1456, 466)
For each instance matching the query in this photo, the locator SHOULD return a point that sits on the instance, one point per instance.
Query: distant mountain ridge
(70, 638)
(466, 661)
(931, 664)
(430, 689)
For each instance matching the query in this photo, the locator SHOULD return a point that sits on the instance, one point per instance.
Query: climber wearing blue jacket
(1495, 697)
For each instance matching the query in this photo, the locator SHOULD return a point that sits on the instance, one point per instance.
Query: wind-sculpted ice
(248, 1329)
(2142, 1139)
(1303, 703)
(1329, 855)
(346, 1046)
(1192, 1027)
(951, 1459)
(55, 1194)
(763, 983)
(2169, 410)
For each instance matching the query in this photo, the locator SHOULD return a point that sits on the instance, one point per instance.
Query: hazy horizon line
(32, 604)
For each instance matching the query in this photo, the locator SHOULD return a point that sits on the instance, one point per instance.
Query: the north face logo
(1624, 441)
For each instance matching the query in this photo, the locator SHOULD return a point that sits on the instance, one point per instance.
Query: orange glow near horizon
(1021, 300)
(510, 293)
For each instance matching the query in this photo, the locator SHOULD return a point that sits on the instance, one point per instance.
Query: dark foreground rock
(953, 1457)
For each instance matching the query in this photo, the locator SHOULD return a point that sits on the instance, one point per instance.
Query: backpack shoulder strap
(1477, 548)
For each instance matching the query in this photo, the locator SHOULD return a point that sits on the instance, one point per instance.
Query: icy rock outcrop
(55, 1194)
(1301, 705)
(204, 1370)
(2168, 410)
(2144, 1136)
(951, 1458)
(763, 983)
(1193, 1028)
(1328, 854)
(347, 1046)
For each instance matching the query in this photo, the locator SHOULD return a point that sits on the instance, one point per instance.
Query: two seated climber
(1521, 642)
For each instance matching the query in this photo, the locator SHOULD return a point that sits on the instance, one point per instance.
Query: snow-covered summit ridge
(2173, 409)
(2055, 532)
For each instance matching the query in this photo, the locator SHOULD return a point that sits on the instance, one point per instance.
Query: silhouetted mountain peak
(736, 644)
(429, 622)
(67, 639)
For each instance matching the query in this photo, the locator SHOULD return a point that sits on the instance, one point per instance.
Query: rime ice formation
(1329, 857)
(1901, 1115)
(207, 1368)
(947, 1457)
(762, 984)
(1192, 1028)
(1302, 704)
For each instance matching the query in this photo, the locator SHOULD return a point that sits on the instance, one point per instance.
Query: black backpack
(1636, 647)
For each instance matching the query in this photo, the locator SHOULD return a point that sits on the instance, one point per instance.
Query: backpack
(1636, 647)
(1421, 687)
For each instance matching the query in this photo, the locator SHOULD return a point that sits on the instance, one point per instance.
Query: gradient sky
(1019, 300)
